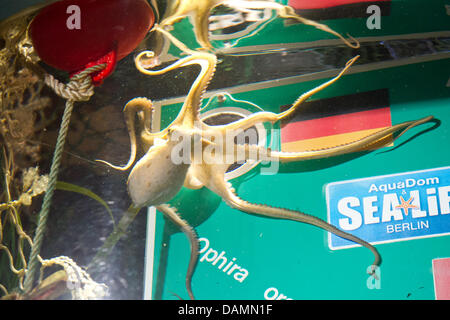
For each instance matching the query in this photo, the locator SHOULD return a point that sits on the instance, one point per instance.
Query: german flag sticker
(441, 277)
(330, 122)
(337, 9)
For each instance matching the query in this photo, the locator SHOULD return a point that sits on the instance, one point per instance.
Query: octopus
(200, 12)
(193, 154)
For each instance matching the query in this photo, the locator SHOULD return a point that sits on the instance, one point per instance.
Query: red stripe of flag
(318, 4)
(345, 123)
(441, 275)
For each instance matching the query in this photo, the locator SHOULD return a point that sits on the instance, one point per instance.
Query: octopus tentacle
(180, 45)
(171, 213)
(259, 153)
(244, 152)
(280, 213)
(200, 11)
(189, 112)
(227, 192)
(245, 123)
(287, 12)
(353, 146)
(265, 116)
(131, 108)
(311, 92)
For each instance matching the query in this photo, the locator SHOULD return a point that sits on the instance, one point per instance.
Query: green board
(292, 259)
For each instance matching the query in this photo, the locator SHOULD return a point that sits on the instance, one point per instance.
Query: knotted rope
(80, 88)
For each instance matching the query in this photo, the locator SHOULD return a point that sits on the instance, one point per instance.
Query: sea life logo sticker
(390, 208)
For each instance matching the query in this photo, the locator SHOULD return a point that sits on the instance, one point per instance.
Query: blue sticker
(390, 208)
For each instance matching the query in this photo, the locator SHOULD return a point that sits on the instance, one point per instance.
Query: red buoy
(73, 35)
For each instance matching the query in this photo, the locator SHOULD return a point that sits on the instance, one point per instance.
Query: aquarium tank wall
(225, 150)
